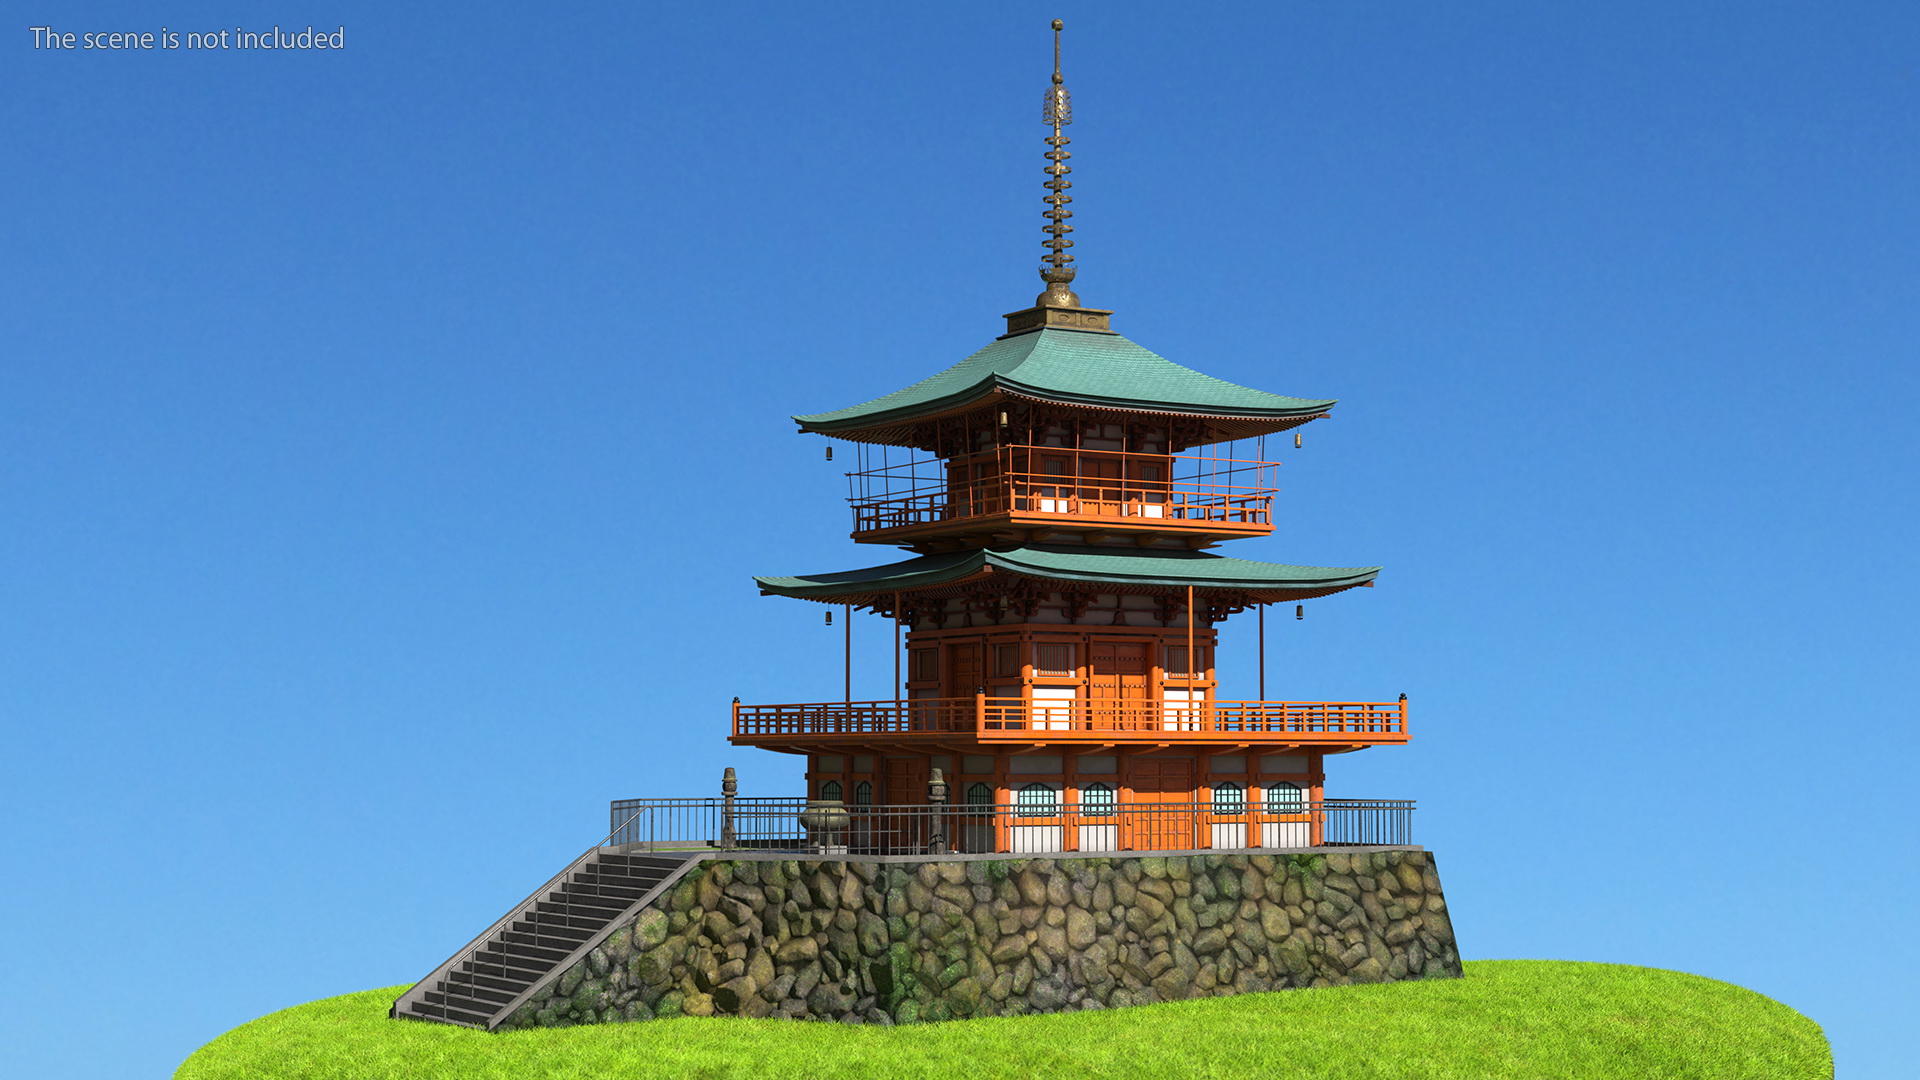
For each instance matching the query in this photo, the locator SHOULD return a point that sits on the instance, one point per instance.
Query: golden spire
(1057, 111)
(1058, 306)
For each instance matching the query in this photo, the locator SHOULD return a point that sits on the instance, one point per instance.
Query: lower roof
(1131, 569)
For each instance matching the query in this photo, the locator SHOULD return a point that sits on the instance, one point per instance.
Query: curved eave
(1126, 571)
(1102, 371)
(850, 427)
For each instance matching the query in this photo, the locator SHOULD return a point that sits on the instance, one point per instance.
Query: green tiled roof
(1136, 567)
(1075, 367)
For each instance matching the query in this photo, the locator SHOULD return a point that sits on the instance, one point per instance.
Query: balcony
(1327, 724)
(1233, 824)
(1034, 492)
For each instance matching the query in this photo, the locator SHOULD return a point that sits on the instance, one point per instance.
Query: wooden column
(1263, 652)
(1193, 662)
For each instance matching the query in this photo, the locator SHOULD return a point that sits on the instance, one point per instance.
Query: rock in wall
(905, 941)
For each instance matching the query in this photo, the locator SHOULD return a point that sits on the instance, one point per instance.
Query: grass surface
(1506, 1019)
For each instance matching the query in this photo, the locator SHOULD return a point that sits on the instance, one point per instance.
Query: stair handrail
(472, 948)
(581, 951)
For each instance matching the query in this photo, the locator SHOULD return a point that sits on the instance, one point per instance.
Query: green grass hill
(1532, 1019)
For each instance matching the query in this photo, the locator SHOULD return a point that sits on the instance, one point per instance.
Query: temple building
(1060, 491)
(1058, 494)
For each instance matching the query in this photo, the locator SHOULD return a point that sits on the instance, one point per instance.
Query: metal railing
(1246, 820)
(982, 716)
(700, 824)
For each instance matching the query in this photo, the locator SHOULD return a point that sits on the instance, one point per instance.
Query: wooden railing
(1194, 490)
(1234, 818)
(1137, 502)
(1019, 719)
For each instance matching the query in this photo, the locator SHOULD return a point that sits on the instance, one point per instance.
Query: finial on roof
(1058, 306)
(1056, 111)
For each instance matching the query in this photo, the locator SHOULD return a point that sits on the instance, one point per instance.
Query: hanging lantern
(1299, 611)
(829, 616)
(829, 453)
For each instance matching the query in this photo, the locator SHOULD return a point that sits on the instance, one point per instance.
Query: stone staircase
(541, 939)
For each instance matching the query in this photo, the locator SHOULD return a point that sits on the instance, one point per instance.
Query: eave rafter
(996, 592)
(955, 430)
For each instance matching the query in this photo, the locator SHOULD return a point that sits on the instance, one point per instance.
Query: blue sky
(388, 435)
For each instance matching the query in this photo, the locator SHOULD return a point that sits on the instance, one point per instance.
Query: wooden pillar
(1193, 662)
(1069, 800)
(1002, 802)
(847, 620)
(1263, 652)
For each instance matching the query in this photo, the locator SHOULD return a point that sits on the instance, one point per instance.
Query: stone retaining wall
(895, 941)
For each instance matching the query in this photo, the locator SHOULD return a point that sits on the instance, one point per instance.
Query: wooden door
(1284, 817)
(966, 675)
(1161, 828)
(906, 781)
(975, 486)
(1148, 488)
(1118, 675)
(1053, 493)
(1101, 486)
(906, 785)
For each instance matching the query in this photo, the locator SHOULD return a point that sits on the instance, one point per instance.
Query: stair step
(461, 982)
(526, 944)
(490, 967)
(615, 890)
(517, 957)
(619, 890)
(550, 914)
(590, 902)
(556, 927)
(513, 961)
(593, 895)
(662, 863)
(459, 1007)
(506, 966)
(475, 977)
(422, 1010)
(540, 938)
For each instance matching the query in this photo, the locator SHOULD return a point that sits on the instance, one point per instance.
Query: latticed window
(979, 795)
(863, 794)
(830, 790)
(1096, 800)
(1285, 798)
(1037, 800)
(1229, 798)
(1006, 659)
(1053, 659)
(924, 664)
(1176, 660)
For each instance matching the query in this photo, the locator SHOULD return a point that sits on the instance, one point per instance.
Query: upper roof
(1098, 369)
(1137, 569)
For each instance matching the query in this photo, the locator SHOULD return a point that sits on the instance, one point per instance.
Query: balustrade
(1019, 719)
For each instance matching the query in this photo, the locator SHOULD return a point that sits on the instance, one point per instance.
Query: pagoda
(1055, 628)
